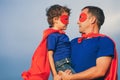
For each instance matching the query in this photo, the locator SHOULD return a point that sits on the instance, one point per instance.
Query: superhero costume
(79, 44)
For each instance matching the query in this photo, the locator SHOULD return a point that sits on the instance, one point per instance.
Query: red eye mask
(64, 19)
(82, 17)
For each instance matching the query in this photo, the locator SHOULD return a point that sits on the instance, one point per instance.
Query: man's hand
(57, 77)
(65, 75)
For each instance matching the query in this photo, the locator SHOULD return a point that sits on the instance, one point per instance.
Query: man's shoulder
(106, 38)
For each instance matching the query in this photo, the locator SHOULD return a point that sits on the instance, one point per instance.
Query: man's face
(83, 21)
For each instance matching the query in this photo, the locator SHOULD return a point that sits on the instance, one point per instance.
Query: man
(94, 54)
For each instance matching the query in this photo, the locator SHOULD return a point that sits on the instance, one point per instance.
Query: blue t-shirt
(84, 54)
(60, 44)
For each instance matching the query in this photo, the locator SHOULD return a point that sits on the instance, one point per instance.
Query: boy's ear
(55, 19)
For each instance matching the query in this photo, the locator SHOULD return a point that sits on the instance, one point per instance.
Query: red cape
(40, 68)
(112, 73)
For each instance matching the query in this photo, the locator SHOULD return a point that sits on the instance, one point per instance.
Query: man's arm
(102, 65)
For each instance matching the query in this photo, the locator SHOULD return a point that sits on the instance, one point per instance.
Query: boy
(58, 43)
(54, 49)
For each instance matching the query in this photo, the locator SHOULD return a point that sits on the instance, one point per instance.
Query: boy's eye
(66, 18)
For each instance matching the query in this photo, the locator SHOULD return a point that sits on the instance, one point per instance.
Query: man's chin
(65, 28)
(80, 32)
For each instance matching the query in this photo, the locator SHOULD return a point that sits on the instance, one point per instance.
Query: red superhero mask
(64, 19)
(83, 17)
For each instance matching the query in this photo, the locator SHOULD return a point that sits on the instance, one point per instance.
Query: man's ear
(93, 19)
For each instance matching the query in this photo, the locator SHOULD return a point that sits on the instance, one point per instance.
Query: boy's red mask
(83, 17)
(64, 19)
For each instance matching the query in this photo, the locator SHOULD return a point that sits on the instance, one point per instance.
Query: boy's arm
(51, 61)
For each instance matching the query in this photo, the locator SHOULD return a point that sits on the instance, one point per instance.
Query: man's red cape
(112, 73)
(40, 68)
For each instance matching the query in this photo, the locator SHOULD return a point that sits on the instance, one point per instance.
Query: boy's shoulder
(74, 39)
(54, 34)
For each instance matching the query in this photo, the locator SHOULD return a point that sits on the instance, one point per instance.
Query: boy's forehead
(64, 13)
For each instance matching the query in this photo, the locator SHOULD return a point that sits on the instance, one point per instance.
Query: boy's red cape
(40, 68)
(112, 73)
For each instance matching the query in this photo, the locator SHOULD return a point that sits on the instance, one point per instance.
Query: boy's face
(62, 21)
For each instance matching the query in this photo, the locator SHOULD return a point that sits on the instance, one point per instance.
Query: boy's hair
(98, 13)
(55, 11)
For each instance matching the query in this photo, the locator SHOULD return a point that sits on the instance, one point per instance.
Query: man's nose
(78, 22)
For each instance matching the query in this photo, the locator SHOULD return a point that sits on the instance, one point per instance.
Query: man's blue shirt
(84, 54)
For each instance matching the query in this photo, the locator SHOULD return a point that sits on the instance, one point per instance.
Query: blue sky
(22, 23)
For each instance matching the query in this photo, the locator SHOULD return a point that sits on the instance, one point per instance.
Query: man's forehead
(85, 10)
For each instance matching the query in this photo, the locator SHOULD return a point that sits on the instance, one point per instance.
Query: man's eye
(66, 18)
(80, 16)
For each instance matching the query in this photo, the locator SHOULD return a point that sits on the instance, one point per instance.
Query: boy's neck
(55, 28)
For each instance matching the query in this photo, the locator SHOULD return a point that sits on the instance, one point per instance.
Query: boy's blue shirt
(60, 44)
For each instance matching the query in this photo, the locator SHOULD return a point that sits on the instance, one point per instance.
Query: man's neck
(93, 29)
